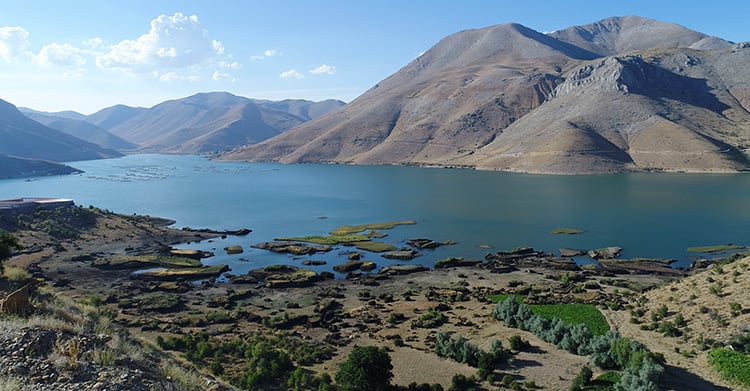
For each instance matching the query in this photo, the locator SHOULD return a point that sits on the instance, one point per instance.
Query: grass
(352, 229)
(330, 240)
(572, 313)
(715, 249)
(566, 231)
(10, 383)
(376, 247)
(733, 365)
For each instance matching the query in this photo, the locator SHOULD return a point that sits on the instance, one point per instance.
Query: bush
(462, 383)
(367, 369)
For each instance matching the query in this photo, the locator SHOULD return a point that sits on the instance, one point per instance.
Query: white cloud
(173, 42)
(13, 42)
(95, 43)
(229, 65)
(324, 69)
(291, 74)
(171, 77)
(267, 53)
(222, 76)
(61, 55)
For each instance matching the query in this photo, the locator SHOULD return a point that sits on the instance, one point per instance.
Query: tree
(367, 369)
(8, 243)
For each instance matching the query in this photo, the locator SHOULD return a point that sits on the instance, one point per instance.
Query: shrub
(367, 369)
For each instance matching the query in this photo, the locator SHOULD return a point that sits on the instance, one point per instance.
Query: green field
(571, 313)
(352, 229)
(733, 365)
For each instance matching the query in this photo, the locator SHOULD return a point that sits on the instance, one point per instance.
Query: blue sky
(88, 55)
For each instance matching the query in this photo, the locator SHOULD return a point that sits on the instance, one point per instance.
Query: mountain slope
(82, 130)
(210, 122)
(112, 116)
(24, 137)
(496, 98)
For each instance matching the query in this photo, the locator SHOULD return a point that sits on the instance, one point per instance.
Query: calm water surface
(649, 215)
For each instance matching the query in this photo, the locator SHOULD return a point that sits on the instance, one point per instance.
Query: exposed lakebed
(648, 215)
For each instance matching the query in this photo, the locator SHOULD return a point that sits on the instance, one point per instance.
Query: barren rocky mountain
(622, 94)
(211, 122)
(82, 129)
(23, 137)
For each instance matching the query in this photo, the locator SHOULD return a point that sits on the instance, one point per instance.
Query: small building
(20, 205)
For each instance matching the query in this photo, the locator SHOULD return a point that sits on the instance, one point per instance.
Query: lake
(648, 215)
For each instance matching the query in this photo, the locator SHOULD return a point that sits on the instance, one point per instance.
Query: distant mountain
(13, 167)
(83, 130)
(60, 114)
(210, 122)
(621, 94)
(26, 138)
(112, 116)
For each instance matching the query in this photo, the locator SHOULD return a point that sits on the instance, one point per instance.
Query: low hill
(13, 167)
(110, 117)
(622, 94)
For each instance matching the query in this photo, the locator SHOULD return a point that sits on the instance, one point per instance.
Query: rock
(295, 248)
(189, 253)
(571, 252)
(368, 266)
(349, 266)
(638, 266)
(456, 262)
(403, 269)
(309, 262)
(354, 256)
(605, 253)
(234, 249)
(282, 276)
(404, 255)
(423, 243)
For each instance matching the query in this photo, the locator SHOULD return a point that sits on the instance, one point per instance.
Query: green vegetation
(430, 319)
(256, 362)
(367, 369)
(8, 243)
(641, 368)
(352, 229)
(572, 313)
(566, 231)
(732, 364)
(463, 351)
(330, 240)
(714, 249)
(376, 247)
(62, 223)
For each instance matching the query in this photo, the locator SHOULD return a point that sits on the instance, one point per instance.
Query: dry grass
(10, 383)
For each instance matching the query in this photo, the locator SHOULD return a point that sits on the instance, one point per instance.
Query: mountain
(112, 116)
(622, 94)
(60, 114)
(210, 122)
(26, 138)
(82, 130)
(13, 167)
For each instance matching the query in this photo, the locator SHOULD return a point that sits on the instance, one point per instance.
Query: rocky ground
(375, 309)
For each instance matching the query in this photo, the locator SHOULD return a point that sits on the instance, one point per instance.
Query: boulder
(349, 266)
(456, 262)
(295, 248)
(404, 255)
(571, 252)
(403, 269)
(605, 253)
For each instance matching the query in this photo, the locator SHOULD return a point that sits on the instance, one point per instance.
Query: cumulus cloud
(13, 42)
(170, 77)
(61, 55)
(324, 69)
(229, 65)
(95, 43)
(291, 74)
(172, 42)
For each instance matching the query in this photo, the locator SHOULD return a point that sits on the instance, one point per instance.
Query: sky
(88, 55)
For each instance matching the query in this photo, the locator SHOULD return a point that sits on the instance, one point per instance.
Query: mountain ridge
(484, 98)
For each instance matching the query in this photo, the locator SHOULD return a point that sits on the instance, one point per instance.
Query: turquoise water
(648, 215)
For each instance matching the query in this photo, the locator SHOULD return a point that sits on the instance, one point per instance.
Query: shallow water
(649, 215)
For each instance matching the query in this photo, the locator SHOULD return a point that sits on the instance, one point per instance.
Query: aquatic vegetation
(352, 229)
(330, 240)
(566, 231)
(715, 249)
